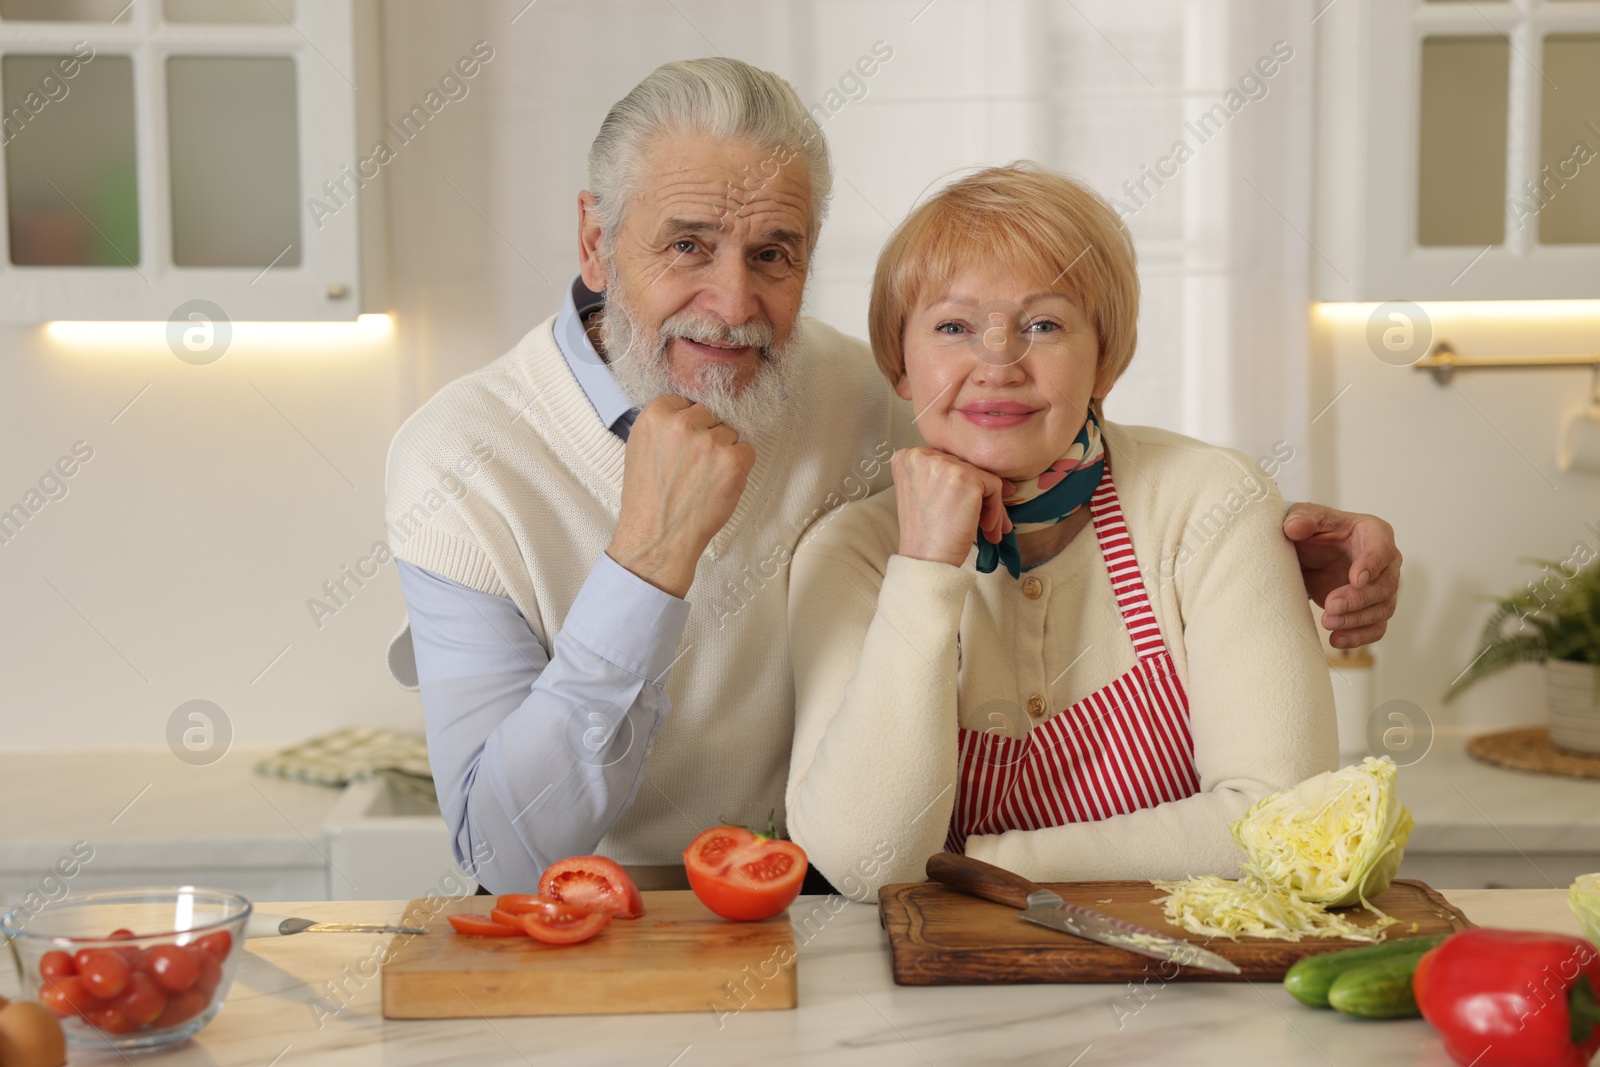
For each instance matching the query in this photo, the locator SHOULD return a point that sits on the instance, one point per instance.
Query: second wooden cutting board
(938, 936)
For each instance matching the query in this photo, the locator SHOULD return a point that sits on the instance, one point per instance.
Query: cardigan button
(1036, 705)
(1032, 588)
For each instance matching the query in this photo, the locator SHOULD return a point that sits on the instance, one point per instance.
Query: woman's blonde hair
(1026, 218)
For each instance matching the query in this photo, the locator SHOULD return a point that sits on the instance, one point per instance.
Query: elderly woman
(1075, 649)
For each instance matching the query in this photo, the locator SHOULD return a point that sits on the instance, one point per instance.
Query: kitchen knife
(1039, 905)
(264, 925)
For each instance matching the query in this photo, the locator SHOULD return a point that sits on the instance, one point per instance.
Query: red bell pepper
(1512, 998)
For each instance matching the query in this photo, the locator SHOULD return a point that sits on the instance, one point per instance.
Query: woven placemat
(1528, 748)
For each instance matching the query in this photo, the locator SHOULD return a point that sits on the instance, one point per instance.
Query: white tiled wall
(1098, 89)
(182, 560)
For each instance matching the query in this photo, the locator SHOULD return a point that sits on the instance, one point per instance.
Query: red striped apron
(1122, 748)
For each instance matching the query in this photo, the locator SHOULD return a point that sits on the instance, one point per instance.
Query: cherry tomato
(219, 944)
(105, 973)
(130, 955)
(181, 1007)
(563, 924)
(210, 971)
(56, 964)
(109, 1019)
(142, 1001)
(593, 883)
(67, 996)
(741, 876)
(478, 926)
(172, 966)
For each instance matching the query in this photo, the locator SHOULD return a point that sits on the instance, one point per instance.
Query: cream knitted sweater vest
(506, 482)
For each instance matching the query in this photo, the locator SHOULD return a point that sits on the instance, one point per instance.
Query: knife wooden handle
(979, 879)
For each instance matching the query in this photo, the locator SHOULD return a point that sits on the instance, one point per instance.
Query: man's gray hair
(724, 98)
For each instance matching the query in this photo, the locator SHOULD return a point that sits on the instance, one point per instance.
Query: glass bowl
(1584, 898)
(130, 969)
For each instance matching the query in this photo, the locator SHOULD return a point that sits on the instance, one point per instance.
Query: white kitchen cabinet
(1458, 150)
(167, 155)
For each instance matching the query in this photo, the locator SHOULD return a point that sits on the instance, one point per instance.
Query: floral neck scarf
(1038, 503)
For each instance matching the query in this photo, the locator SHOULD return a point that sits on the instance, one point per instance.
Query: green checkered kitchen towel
(355, 752)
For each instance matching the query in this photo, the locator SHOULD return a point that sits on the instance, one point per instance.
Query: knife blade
(264, 925)
(1040, 905)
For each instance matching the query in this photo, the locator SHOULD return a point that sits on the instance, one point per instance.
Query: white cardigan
(891, 653)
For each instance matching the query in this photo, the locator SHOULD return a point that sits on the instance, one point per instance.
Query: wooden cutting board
(677, 957)
(940, 937)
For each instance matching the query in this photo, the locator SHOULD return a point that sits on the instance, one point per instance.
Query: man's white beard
(638, 359)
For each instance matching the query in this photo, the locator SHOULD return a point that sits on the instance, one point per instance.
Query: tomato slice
(742, 876)
(593, 883)
(478, 926)
(512, 919)
(521, 903)
(563, 924)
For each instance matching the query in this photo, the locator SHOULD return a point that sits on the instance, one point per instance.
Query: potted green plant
(1556, 622)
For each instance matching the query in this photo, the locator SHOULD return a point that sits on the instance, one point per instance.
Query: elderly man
(597, 611)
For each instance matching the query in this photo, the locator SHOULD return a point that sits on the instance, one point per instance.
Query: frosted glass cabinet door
(266, 12)
(1569, 141)
(65, 10)
(72, 196)
(233, 143)
(1461, 169)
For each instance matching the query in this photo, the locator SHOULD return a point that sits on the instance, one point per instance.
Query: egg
(30, 1036)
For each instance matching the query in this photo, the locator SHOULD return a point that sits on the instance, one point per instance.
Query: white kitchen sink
(387, 843)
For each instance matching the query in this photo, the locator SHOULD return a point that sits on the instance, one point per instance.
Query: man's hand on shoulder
(1351, 568)
(684, 474)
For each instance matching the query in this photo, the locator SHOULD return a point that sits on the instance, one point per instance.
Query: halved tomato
(563, 924)
(593, 883)
(478, 926)
(742, 876)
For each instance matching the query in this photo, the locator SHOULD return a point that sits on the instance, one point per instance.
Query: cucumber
(1377, 990)
(1310, 980)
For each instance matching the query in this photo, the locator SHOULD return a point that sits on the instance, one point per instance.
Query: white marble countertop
(1463, 805)
(144, 809)
(850, 1012)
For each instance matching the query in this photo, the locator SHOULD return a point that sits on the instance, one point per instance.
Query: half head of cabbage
(1334, 839)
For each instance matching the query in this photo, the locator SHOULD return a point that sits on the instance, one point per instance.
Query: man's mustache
(692, 327)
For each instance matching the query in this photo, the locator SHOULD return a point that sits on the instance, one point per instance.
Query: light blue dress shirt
(536, 751)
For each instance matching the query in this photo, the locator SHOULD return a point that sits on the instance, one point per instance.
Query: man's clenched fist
(683, 477)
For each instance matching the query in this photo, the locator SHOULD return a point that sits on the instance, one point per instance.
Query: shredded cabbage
(1584, 899)
(1224, 907)
(1331, 841)
(1335, 839)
